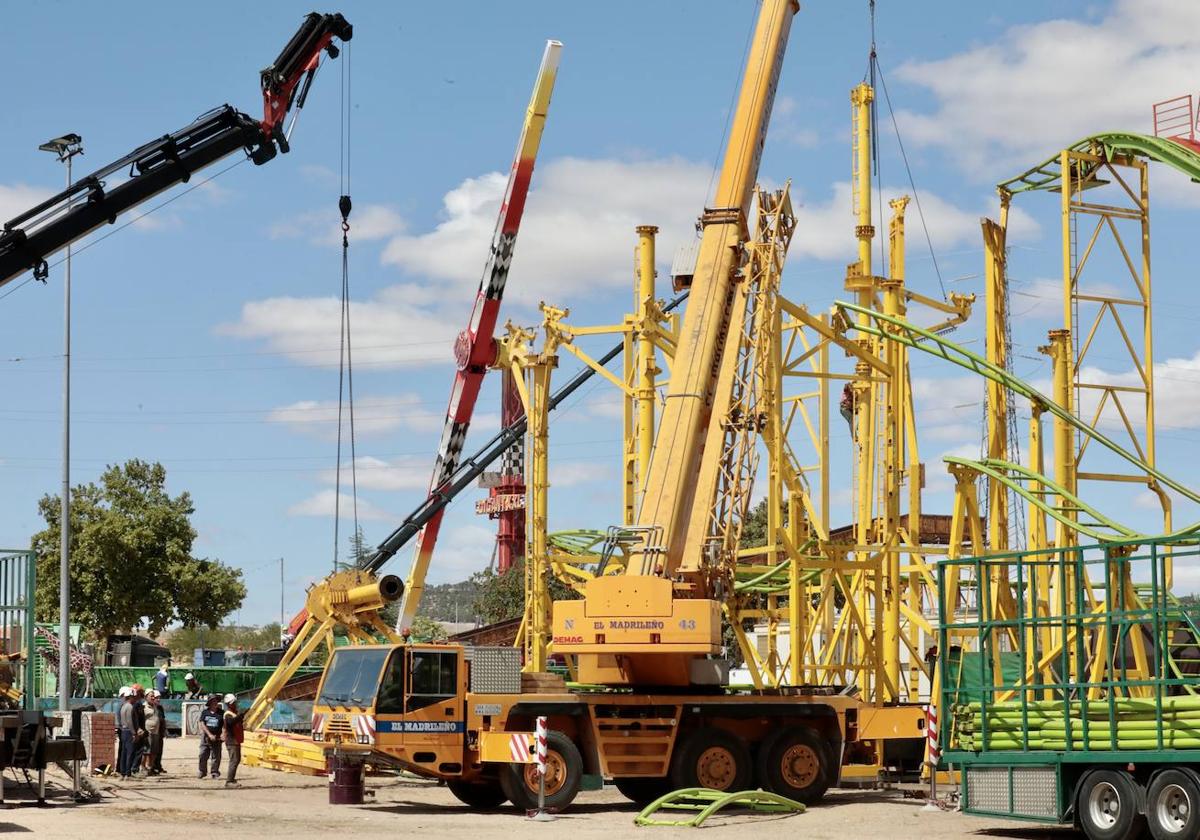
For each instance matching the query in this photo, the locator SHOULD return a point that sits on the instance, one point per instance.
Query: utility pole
(65, 147)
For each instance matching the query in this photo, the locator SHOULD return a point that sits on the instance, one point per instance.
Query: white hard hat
(123, 691)
(229, 698)
(188, 675)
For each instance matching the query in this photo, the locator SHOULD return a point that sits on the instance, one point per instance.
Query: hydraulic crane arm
(27, 240)
(475, 348)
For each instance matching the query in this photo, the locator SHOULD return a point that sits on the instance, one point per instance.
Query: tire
(1107, 805)
(643, 791)
(564, 776)
(1173, 806)
(479, 796)
(796, 763)
(712, 758)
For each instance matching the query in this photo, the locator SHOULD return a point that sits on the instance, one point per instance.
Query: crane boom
(650, 625)
(27, 240)
(670, 492)
(475, 348)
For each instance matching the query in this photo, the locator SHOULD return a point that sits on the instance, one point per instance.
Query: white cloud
(949, 409)
(825, 228)
(372, 416)
(463, 550)
(379, 474)
(577, 240)
(1176, 395)
(400, 326)
(788, 126)
(578, 232)
(323, 502)
(1040, 298)
(17, 198)
(1012, 102)
(324, 227)
(574, 473)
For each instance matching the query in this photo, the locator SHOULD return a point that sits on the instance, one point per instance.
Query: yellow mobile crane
(447, 713)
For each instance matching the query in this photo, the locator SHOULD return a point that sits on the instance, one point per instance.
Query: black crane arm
(27, 240)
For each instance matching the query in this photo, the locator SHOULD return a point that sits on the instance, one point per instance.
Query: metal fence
(18, 583)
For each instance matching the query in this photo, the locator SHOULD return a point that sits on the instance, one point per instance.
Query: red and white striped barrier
(364, 728)
(541, 746)
(932, 749)
(518, 747)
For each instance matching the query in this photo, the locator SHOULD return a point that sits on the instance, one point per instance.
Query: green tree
(754, 534)
(183, 641)
(427, 630)
(499, 597)
(131, 557)
(359, 550)
(754, 529)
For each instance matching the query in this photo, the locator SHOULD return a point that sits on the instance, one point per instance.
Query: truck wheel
(564, 776)
(643, 791)
(796, 763)
(481, 796)
(1173, 806)
(712, 758)
(1107, 807)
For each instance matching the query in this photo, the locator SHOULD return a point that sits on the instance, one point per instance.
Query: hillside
(449, 602)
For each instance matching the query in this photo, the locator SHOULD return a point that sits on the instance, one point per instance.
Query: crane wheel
(643, 791)
(796, 763)
(564, 776)
(712, 758)
(479, 796)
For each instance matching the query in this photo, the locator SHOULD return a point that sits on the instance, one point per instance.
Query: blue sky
(206, 334)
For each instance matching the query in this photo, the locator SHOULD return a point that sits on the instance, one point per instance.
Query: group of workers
(162, 684)
(142, 726)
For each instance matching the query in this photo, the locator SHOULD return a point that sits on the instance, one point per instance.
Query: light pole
(65, 147)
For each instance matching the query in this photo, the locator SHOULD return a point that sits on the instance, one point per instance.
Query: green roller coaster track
(892, 328)
(1048, 174)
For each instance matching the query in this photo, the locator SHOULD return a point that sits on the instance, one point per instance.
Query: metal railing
(1089, 650)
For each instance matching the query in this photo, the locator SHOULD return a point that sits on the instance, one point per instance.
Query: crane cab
(405, 703)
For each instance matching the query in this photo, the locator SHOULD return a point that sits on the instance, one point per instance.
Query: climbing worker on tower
(846, 406)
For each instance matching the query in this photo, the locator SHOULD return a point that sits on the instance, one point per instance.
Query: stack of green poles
(1043, 725)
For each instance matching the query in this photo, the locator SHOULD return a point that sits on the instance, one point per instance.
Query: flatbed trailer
(460, 715)
(1036, 700)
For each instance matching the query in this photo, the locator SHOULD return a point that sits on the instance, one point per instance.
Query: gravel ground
(273, 804)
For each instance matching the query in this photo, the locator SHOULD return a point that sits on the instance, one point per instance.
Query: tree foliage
(359, 550)
(183, 641)
(499, 597)
(131, 557)
(754, 534)
(427, 630)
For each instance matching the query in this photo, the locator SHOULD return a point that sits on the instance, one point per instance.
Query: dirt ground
(273, 804)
